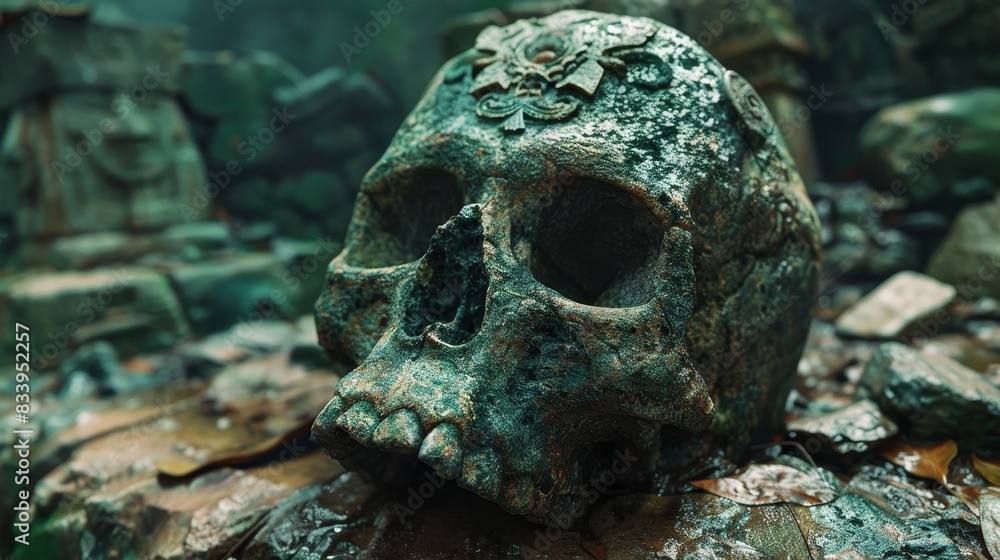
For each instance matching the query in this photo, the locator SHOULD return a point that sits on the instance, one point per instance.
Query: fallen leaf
(989, 504)
(180, 467)
(774, 484)
(933, 463)
(990, 470)
(924, 462)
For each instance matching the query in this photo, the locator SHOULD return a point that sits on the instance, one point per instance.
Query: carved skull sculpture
(586, 242)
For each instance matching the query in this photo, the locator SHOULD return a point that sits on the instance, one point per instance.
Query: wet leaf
(989, 469)
(989, 504)
(774, 484)
(178, 466)
(933, 463)
(924, 462)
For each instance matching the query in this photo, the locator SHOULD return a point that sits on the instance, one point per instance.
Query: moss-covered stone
(587, 242)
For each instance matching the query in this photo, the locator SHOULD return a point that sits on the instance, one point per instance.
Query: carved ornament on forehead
(545, 69)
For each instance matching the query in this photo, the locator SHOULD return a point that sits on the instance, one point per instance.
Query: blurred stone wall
(339, 78)
(875, 53)
(402, 50)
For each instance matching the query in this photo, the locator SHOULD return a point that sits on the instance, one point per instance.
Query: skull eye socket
(395, 220)
(595, 244)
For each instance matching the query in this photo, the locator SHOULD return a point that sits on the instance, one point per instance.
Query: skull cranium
(587, 237)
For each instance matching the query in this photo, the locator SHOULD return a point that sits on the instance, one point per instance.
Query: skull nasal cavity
(594, 243)
(449, 290)
(395, 218)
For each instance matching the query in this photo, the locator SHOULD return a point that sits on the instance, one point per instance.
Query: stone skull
(585, 252)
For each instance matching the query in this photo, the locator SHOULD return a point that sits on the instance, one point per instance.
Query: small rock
(895, 251)
(646, 526)
(935, 397)
(78, 385)
(986, 308)
(950, 137)
(969, 257)
(852, 429)
(854, 527)
(897, 306)
(905, 497)
(263, 336)
(99, 361)
(986, 331)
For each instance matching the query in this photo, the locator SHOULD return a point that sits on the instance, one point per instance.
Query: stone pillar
(760, 40)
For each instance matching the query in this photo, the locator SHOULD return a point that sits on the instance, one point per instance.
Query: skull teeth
(328, 418)
(519, 495)
(481, 474)
(400, 432)
(360, 421)
(335, 442)
(441, 451)
(349, 386)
